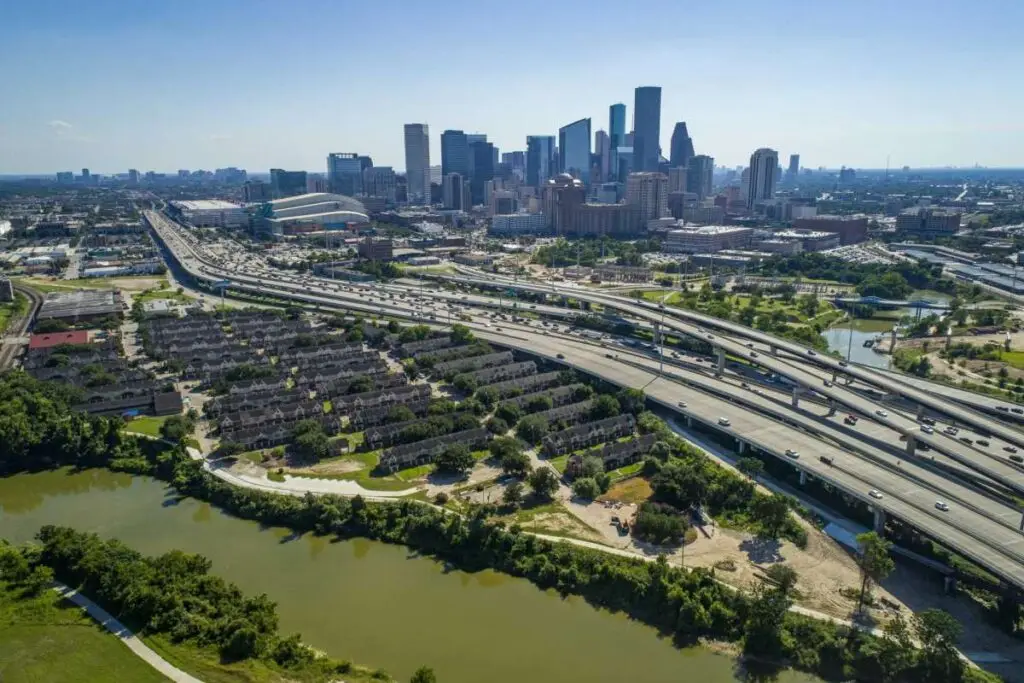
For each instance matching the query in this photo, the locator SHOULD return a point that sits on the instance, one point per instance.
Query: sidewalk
(127, 636)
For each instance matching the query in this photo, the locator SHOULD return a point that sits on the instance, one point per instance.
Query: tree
(532, 429)
(175, 429)
(938, 632)
(586, 488)
(423, 675)
(497, 426)
(874, 562)
(544, 482)
(604, 406)
(765, 616)
(509, 412)
(400, 414)
(631, 401)
(773, 513)
(659, 523)
(456, 459)
(309, 440)
(752, 467)
(488, 396)
(513, 493)
(591, 467)
(461, 334)
(516, 464)
(783, 576)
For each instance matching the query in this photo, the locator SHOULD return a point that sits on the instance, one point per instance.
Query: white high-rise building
(417, 162)
(649, 193)
(764, 169)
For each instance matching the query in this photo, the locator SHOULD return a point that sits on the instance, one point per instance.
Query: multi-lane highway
(866, 461)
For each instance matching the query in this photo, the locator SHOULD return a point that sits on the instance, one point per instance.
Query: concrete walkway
(127, 636)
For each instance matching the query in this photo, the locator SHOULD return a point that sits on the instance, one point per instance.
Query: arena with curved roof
(313, 212)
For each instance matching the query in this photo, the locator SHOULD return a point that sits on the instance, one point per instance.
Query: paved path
(127, 636)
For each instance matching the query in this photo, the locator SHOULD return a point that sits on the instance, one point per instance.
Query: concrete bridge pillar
(911, 445)
(831, 407)
(920, 411)
(949, 584)
(689, 421)
(879, 520)
(742, 445)
(774, 350)
(797, 391)
(720, 366)
(803, 477)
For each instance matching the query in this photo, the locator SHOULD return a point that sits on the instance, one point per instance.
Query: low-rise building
(851, 229)
(212, 213)
(809, 240)
(376, 249)
(519, 224)
(928, 223)
(707, 239)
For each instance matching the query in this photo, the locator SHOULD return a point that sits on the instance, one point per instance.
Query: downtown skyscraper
(417, 162)
(540, 159)
(617, 125)
(764, 170)
(681, 147)
(574, 149)
(455, 153)
(647, 128)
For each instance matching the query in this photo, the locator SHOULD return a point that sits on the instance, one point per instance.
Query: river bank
(376, 603)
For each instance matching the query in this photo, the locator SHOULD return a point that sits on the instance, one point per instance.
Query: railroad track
(18, 326)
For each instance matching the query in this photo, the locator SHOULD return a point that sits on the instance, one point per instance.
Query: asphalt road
(976, 525)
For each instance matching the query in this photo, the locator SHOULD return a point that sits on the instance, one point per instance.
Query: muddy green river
(376, 604)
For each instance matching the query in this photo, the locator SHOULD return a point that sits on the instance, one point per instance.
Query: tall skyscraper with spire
(417, 162)
(681, 149)
(647, 128)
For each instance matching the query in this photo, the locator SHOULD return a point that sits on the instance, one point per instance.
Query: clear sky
(168, 84)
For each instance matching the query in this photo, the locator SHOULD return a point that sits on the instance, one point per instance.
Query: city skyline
(202, 99)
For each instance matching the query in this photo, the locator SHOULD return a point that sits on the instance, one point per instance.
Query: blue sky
(167, 84)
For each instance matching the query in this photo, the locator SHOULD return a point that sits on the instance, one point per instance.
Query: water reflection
(18, 497)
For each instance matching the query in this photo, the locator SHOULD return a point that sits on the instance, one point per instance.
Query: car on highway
(876, 494)
(745, 385)
(790, 453)
(927, 430)
(967, 440)
(724, 421)
(753, 354)
(942, 505)
(952, 431)
(828, 383)
(1019, 411)
(881, 413)
(843, 364)
(1016, 458)
(982, 442)
(1010, 449)
(1003, 409)
(560, 356)
(681, 404)
(810, 352)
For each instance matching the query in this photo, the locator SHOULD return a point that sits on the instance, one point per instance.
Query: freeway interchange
(964, 495)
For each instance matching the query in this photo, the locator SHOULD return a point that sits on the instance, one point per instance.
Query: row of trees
(689, 605)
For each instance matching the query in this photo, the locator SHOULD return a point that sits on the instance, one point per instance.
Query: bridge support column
(949, 584)
(741, 446)
(774, 350)
(911, 445)
(797, 391)
(720, 366)
(689, 421)
(879, 520)
(831, 407)
(803, 477)
(920, 411)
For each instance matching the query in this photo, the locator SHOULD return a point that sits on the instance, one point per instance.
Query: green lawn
(147, 424)
(1014, 359)
(12, 309)
(166, 294)
(559, 462)
(84, 283)
(626, 472)
(364, 475)
(46, 640)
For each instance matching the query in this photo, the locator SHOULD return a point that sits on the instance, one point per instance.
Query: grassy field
(634, 490)
(364, 475)
(163, 294)
(147, 424)
(46, 640)
(1014, 359)
(128, 282)
(12, 309)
